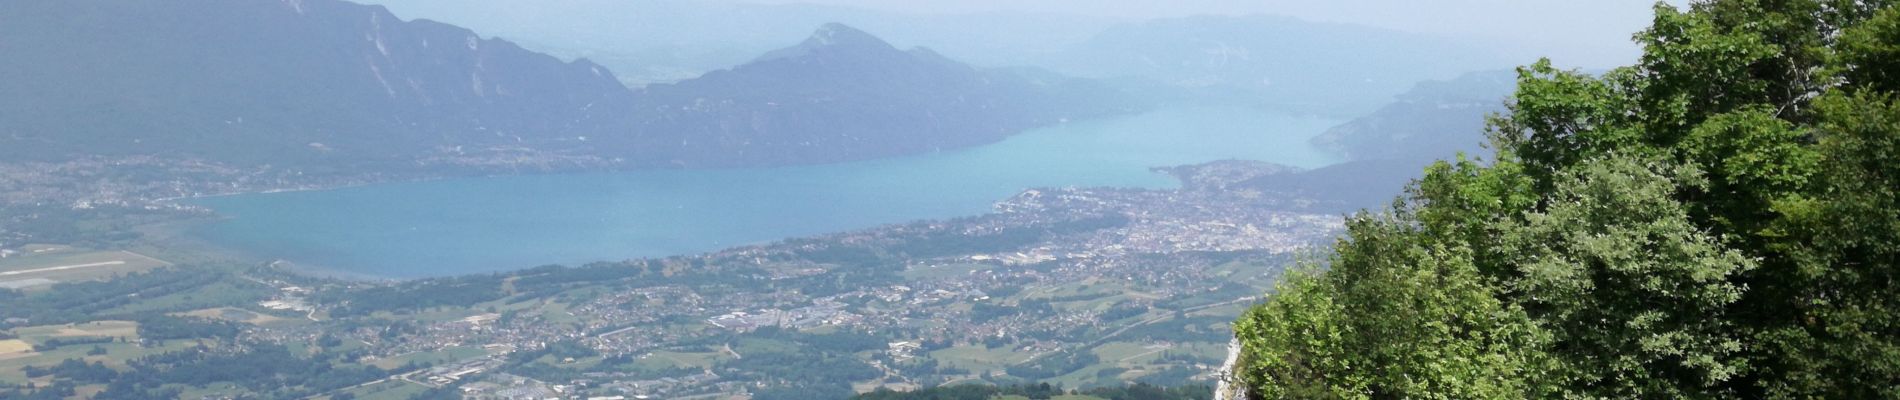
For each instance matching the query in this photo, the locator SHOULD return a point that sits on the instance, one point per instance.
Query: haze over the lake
(1587, 34)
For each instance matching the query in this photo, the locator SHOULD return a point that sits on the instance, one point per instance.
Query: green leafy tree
(1395, 318)
(1718, 221)
(1633, 293)
(1842, 339)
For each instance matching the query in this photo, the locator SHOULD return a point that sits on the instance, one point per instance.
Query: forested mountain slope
(254, 81)
(1436, 119)
(844, 94)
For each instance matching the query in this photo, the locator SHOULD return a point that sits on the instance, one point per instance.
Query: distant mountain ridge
(1337, 69)
(1434, 120)
(341, 85)
(259, 81)
(681, 39)
(844, 94)
(1333, 69)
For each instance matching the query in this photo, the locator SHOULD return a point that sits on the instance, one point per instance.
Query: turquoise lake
(474, 225)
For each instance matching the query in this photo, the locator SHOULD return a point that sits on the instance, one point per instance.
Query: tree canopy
(1719, 220)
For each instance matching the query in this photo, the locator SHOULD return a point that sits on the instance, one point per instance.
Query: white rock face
(1228, 386)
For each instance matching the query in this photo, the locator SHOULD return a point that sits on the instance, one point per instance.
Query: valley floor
(1079, 287)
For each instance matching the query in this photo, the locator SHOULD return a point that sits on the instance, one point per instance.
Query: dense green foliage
(58, 342)
(1719, 221)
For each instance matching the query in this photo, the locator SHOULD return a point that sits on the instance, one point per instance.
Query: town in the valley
(1078, 286)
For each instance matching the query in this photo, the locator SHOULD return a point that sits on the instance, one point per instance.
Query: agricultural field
(118, 341)
(115, 329)
(11, 348)
(234, 314)
(673, 359)
(443, 356)
(386, 390)
(978, 359)
(224, 293)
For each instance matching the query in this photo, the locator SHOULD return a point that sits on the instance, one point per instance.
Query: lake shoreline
(618, 215)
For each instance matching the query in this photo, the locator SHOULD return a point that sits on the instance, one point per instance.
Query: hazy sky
(1583, 31)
